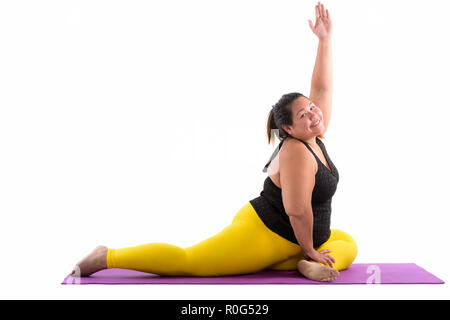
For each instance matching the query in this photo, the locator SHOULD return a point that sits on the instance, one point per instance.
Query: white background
(128, 122)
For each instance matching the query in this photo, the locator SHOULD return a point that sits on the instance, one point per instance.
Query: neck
(311, 142)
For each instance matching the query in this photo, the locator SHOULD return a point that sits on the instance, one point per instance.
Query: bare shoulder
(295, 151)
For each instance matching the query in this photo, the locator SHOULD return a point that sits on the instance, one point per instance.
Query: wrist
(308, 251)
(325, 39)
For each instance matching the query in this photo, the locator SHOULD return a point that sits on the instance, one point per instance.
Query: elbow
(299, 213)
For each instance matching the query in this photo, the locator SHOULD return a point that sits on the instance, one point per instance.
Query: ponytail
(271, 127)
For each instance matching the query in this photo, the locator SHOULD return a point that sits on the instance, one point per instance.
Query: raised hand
(323, 27)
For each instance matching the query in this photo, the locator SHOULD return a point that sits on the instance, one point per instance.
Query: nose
(313, 116)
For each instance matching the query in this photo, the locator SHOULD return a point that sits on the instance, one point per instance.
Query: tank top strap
(274, 154)
(309, 147)
(324, 150)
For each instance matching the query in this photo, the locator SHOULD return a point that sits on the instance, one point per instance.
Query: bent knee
(345, 244)
(337, 234)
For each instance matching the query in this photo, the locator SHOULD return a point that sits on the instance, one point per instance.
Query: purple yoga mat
(362, 273)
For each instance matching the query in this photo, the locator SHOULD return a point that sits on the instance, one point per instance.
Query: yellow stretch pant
(245, 246)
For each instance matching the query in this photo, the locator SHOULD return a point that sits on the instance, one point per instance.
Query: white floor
(49, 287)
(233, 292)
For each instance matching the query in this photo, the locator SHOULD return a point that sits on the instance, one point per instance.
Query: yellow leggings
(245, 246)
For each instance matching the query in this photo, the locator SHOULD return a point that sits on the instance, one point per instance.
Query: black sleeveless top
(270, 209)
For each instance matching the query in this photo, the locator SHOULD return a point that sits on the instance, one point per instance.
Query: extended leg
(245, 246)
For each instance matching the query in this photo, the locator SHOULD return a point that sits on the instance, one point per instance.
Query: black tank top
(269, 205)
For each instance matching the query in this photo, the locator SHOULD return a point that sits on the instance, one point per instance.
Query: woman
(288, 226)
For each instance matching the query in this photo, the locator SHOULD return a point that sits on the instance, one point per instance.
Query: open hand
(321, 257)
(323, 27)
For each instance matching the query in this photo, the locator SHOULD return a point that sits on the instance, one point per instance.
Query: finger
(325, 251)
(311, 25)
(330, 257)
(330, 263)
(317, 12)
(326, 261)
(328, 14)
(322, 10)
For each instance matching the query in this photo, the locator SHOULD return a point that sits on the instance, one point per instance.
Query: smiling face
(307, 120)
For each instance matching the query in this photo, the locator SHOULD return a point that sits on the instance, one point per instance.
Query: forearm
(322, 77)
(303, 230)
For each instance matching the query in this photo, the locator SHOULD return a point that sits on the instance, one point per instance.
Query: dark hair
(281, 114)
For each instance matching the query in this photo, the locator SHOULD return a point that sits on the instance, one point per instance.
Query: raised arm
(322, 78)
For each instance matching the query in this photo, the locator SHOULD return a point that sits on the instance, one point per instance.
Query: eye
(303, 115)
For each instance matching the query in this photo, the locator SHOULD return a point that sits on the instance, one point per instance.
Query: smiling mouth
(316, 124)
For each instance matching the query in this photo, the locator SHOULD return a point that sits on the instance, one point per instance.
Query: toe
(76, 271)
(335, 274)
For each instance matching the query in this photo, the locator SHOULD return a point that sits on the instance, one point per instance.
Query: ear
(286, 128)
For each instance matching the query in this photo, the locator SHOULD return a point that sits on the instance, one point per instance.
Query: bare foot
(317, 272)
(92, 263)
